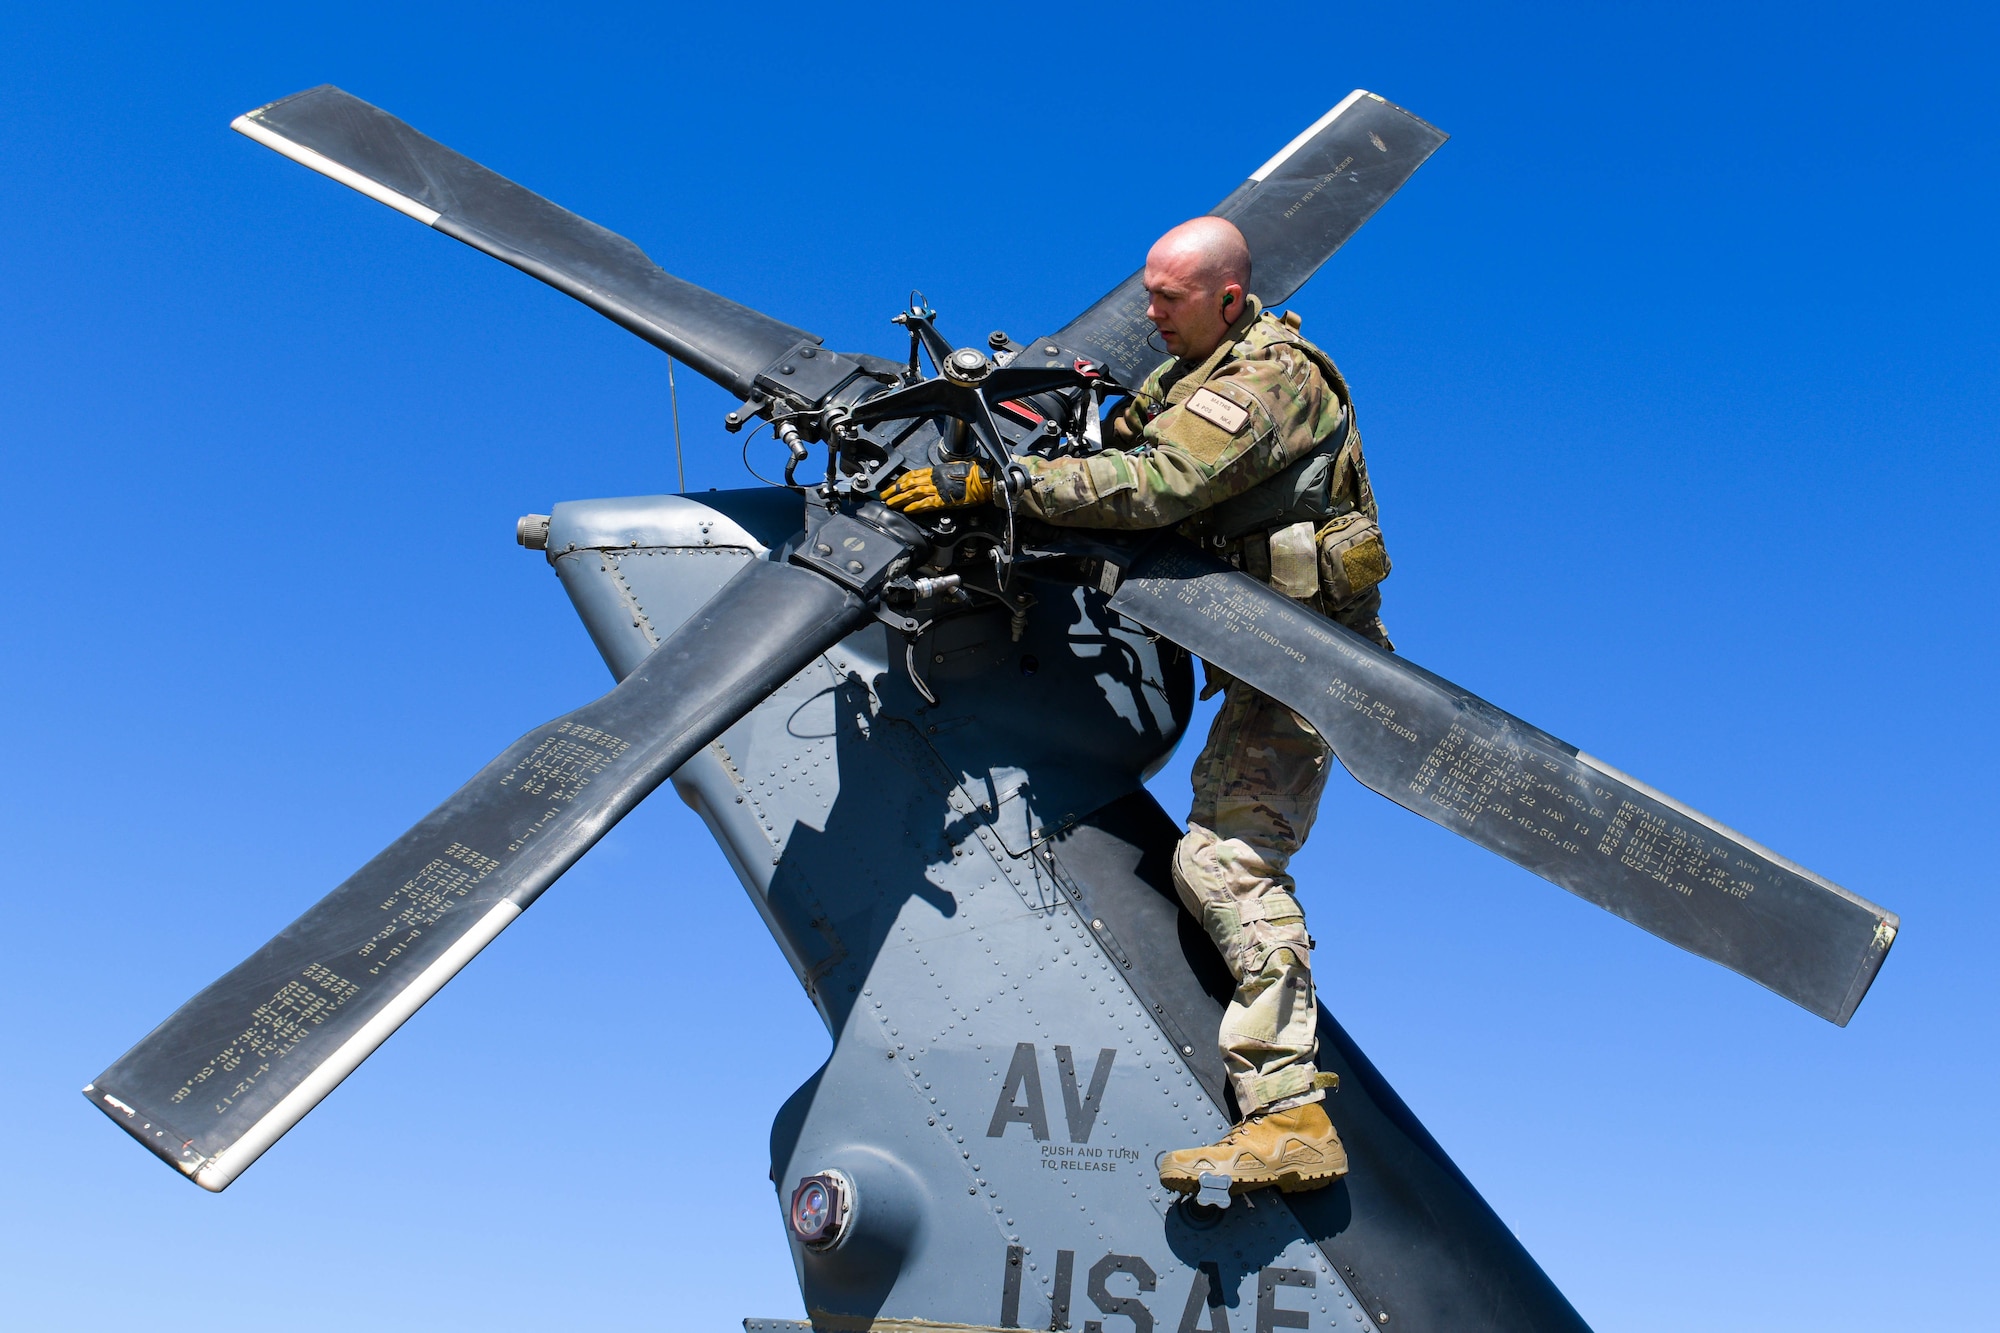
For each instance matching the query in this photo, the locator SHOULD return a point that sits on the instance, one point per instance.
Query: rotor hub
(968, 365)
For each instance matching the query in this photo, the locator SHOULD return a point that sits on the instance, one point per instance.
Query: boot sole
(1300, 1182)
(1287, 1182)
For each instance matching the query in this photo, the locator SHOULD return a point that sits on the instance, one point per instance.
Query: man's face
(1186, 306)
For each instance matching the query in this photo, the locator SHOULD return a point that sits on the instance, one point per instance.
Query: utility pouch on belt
(1352, 558)
(1295, 560)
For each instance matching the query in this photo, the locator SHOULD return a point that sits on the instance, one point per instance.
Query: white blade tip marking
(1305, 136)
(249, 126)
(216, 1172)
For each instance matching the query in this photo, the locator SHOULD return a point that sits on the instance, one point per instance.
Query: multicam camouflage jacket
(1253, 452)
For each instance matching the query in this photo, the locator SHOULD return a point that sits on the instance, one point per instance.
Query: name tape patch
(1217, 411)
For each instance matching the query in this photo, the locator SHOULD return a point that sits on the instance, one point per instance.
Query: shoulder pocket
(1217, 411)
(1207, 443)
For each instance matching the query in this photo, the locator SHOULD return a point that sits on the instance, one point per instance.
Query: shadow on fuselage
(896, 845)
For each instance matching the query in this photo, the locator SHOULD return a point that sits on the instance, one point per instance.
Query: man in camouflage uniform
(1246, 440)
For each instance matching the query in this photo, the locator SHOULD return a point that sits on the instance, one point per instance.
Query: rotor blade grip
(1486, 775)
(235, 1067)
(369, 150)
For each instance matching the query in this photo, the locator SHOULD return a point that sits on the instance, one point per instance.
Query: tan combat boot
(1295, 1150)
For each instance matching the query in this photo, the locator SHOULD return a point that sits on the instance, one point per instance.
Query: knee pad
(1195, 887)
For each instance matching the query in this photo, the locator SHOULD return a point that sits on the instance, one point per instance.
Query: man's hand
(953, 486)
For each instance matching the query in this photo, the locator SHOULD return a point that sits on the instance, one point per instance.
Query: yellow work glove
(953, 486)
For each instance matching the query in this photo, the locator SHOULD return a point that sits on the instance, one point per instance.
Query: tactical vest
(1303, 492)
(1294, 532)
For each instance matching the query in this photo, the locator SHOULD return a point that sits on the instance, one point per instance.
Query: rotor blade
(1303, 204)
(1455, 759)
(366, 148)
(1295, 211)
(235, 1067)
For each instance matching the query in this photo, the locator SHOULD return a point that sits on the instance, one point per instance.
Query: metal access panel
(1023, 1017)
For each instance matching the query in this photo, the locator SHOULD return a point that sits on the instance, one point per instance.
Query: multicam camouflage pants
(1257, 786)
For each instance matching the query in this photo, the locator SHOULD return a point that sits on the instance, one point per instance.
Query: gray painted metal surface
(1023, 1017)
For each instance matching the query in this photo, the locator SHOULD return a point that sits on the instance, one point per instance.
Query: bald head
(1196, 278)
(1206, 250)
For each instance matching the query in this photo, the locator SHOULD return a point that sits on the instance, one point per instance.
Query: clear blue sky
(1677, 370)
